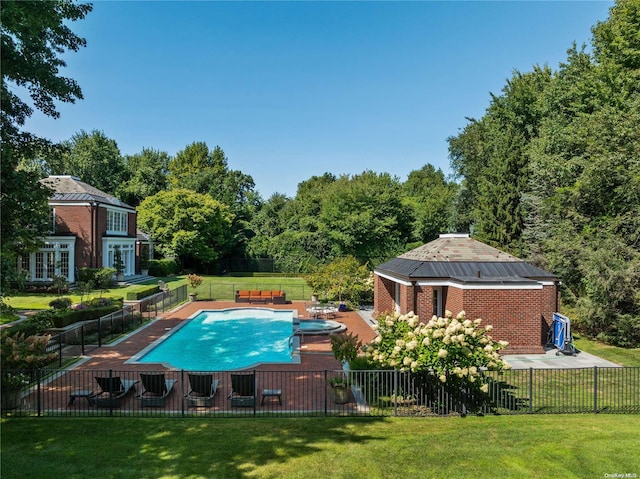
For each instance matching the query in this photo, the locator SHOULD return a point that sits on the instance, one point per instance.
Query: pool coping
(295, 347)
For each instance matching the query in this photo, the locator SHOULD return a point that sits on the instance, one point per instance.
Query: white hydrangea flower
(443, 353)
(484, 388)
(443, 378)
(477, 321)
(488, 327)
(406, 361)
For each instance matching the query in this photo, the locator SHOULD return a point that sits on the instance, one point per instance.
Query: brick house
(86, 226)
(458, 273)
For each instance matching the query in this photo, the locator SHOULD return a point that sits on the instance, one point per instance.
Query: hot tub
(318, 326)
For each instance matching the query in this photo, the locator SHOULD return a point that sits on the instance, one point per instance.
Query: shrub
(35, 324)
(345, 346)
(163, 267)
(87, 274)
(194, 280)
(60, 303)
(443, 347)
(66, 317)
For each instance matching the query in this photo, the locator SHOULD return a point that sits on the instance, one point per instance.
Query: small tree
(118, 264)
(84, 288)
(344, 279)
(103, 279)
(61, 284)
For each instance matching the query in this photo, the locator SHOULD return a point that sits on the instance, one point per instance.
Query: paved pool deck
(551, 360)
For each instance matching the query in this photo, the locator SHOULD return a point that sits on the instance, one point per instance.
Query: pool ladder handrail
(295, 331)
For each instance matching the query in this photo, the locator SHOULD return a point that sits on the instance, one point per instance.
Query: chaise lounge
(155, 388)
(202, 389)
(112, 390)
(243, 390)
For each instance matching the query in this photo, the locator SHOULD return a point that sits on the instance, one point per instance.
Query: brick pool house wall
(520, 316)
(383, 299)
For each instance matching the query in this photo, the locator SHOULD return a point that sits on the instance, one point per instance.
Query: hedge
(66, 317)
(163, 267)
(139, 292)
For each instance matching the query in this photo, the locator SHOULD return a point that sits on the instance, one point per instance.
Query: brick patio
(303, 385)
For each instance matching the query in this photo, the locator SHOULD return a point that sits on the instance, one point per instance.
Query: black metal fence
(310, 393)
(81, 338)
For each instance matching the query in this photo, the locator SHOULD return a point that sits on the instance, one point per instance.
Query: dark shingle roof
(463, 259)
(70, 188)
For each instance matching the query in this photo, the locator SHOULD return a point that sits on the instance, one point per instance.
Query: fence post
(395, 392)
(595, 389)
(38, 391)
(530, 390)
(326, 394)
(82, 338)
(60, 350)
(99, 332)
(182, 390)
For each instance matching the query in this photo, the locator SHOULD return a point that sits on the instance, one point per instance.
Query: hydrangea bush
(456, 351)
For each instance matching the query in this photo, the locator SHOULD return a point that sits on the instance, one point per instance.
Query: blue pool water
(226, 340)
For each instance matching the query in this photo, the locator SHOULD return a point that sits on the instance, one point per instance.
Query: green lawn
(569, 446)
(213, 287)
(622, 356)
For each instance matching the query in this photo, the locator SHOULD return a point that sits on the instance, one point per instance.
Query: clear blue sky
(294, 89)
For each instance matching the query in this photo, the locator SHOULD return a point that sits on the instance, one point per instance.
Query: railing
(308, 393)
(81, 338)
(227, 291)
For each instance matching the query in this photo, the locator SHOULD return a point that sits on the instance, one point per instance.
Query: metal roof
(464, 270)
(463, 259)
(71, 189)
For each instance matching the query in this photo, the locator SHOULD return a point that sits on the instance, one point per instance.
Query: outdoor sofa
(261, 296)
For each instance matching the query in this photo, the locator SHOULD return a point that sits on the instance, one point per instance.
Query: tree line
(550, 173)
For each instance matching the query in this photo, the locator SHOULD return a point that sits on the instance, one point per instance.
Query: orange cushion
(276, 293)
(243, 292)
(265, 294)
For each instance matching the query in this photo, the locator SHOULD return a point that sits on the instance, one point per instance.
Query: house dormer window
(117, 222)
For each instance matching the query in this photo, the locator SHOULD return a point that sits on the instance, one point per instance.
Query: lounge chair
(155, 388)
(202, 389)
(112, 390)
(243, 390)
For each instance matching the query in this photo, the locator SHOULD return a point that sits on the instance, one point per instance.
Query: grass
(621, 356)
(213, 287)
(572, 446)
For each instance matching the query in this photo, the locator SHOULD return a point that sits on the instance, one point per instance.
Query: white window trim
(125, 215)
(128, 248)
(55, 241)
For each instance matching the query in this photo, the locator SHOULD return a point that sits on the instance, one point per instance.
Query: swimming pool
(226, 340)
